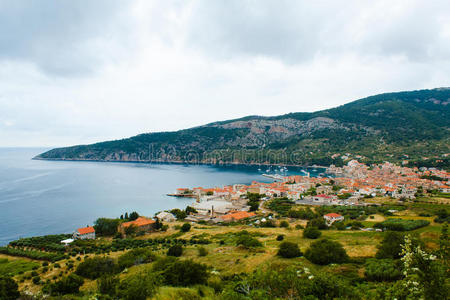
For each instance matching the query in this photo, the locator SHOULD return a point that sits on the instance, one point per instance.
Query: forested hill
(412, 126)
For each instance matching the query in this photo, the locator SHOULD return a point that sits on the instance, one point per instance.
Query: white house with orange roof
(85, 233)
(333, 217)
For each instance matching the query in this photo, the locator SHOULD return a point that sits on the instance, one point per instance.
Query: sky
(77, 72)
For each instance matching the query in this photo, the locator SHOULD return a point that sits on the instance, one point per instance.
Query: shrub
(175, 250)
(9, 290)
(403, 225)
(36, 279)
(311, 233)
(186, 227)
(390, 246)
(93, 268)
(136, 257)
(284, 224)
(202, 251)
(289, 250)
(323, 252)
(246, 241)
(66, 285)
(299, 226)
(280, 237)
(382, 270)
(181, 272)
(138, 287)
(106, 227)
(107, 285)
(317, 222)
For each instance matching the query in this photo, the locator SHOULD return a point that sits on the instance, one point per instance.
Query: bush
(175, 250)
(403, 225)
(280, 237)
(186, 227)
(181, 272)
(317, 222)
(382, 270)
(246, 241)
(289, 250)
(106, 227)
(93, 268)
(9, 290)
(107, 285)
(138, 287)
(390, 246)
(323, 252)
(202, 251)
(299, 226)
(284, 224)
(311, 233)
(36, 279)
(136, 257)
(67, 285)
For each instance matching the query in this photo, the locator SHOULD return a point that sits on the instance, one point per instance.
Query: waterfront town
(351, 185)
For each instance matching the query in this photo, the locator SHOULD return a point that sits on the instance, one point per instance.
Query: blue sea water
(48, 197)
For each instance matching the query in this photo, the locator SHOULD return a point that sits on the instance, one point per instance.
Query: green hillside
(394, 126)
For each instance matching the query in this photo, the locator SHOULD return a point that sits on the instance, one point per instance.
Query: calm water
(48, 197)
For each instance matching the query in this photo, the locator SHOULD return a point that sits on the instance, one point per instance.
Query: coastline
(177, 162)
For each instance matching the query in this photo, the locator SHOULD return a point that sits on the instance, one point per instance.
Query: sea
(39, 197)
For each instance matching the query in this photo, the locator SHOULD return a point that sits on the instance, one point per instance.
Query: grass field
(226, 258)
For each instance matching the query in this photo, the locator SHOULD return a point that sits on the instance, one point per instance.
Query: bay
(48, 197)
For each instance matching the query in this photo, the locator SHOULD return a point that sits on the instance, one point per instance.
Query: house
(333, 217)
(85, 233)
(236, 216)
(142, 224)
(166, 217)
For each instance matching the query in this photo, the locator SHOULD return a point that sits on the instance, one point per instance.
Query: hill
(412, 125)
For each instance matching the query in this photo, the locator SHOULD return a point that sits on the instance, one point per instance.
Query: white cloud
(90, 73)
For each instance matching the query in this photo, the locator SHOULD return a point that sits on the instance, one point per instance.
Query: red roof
(141, 221)
(238, 215)
(86, 230)
(323, 196)
(333, 215)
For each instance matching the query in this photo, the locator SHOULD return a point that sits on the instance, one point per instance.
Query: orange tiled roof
(141, 221)
(238, 215)
(86, 230)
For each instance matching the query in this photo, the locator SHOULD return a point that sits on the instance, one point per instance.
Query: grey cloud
(296, 31)
(60, 37)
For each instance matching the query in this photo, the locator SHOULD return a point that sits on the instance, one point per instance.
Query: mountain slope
(389, 126)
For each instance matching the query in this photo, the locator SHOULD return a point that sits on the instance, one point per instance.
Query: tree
(382, 270)
(95, 267)
(311, 233)
(247, 241)
(138, 287)
(67, 285)
(133, 216)
(9, 290)
(181, 272)
(318, 223)
(323, 252)
(175, 250)
(107, 285)
(202, 251)
(289, 250)
(136, 257)
(178, 213)
(284, 224)
(106, 227)
(253, 201)
(131, 230)
(185, 227)
(391, 246)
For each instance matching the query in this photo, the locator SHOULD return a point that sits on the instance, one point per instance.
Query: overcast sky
(83, 71)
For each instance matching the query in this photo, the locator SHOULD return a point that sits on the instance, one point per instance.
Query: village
(350, 185)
